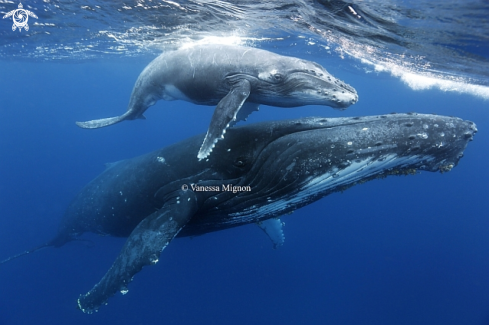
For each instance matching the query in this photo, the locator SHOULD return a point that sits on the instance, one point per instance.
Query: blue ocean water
(402, 250)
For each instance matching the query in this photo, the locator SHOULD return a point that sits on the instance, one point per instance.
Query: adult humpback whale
(236, 79)
(258, 173)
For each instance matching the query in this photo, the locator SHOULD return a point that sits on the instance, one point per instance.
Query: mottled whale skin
(237, 79)
(258, 173)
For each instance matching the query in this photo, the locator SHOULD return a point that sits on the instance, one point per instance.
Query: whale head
(289, 164)
(287, 82)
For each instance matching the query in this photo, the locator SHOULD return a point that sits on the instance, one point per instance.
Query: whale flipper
(244, 112)
(225, 113)
(142, 248)
(273, 228)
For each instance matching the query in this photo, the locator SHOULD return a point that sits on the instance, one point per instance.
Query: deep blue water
(402, 250)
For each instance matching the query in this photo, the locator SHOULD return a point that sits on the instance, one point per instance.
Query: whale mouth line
(341, 86)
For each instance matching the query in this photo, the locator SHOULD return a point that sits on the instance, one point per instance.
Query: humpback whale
(257, 174)
(236, 79)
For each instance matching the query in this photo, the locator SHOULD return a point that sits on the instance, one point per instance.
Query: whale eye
(277, 77)
(240, 162)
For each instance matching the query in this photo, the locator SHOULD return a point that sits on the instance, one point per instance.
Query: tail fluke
(26, 252)
(58, 241)
(95, 124)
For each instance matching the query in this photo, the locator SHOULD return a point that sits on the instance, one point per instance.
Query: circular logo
(20, 18)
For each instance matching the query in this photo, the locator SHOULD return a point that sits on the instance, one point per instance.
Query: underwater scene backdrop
(401, 250)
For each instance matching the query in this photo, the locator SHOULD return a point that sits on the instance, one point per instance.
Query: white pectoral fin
(225, 113)
(273, 229)
(244, 112)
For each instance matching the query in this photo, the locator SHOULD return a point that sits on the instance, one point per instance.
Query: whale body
(237, 79)
(257, 174)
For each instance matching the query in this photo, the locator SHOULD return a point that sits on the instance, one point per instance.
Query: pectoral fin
(273, 228)
(225, 113)
(142, 248)
(244, 112)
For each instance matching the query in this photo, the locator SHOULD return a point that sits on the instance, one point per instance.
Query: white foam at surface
(418, 81)
(414, 72)
(235, 38)
(224, 40)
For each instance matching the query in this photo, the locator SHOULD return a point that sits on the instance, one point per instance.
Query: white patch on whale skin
(266, 75)
(171, 92)
(322, 183)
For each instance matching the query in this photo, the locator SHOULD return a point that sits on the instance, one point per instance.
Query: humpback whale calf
(258, 173)
(236, 79)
